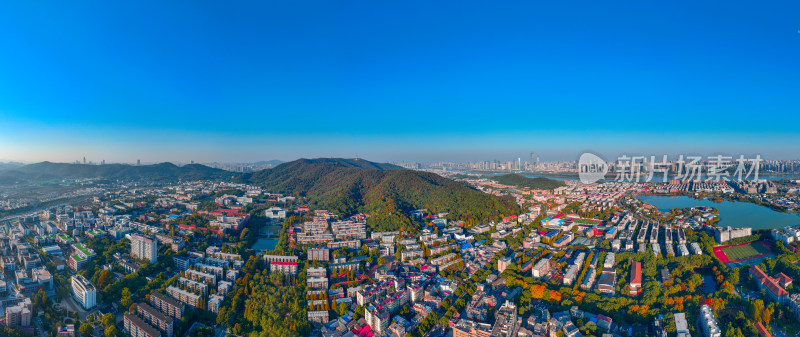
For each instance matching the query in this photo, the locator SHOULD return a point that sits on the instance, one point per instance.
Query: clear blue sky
(396, 80)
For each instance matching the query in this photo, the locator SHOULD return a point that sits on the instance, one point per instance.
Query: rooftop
(138, 322)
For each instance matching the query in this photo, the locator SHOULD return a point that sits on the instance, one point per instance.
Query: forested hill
(532, 183)
(386, 192)
(164, 171)
(355, 163)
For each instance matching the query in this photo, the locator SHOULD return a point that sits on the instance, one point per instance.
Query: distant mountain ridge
(539, 183)
(384, 191)
(163, 171)
(273, 162)
(10, 165)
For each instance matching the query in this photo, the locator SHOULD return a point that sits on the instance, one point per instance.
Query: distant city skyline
(559, 157)
(412, 81)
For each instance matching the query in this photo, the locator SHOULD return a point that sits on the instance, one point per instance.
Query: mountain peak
(352, 163)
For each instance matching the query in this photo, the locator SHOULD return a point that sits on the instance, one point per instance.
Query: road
(777, 332)
(71, 305)
(37, 322)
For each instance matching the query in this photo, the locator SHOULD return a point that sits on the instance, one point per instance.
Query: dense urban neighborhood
(217, 258)
(399, 168)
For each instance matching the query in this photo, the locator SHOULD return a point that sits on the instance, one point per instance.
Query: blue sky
(396, 80)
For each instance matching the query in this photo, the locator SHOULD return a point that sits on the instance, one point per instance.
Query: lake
(265, 244)
(731, 213)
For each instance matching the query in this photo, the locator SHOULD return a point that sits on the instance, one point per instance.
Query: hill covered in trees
(164, 171)
(354, 163)
(531, 183)
(386, 192)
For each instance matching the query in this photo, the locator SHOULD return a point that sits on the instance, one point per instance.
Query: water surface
(731, 213)
(265, 244)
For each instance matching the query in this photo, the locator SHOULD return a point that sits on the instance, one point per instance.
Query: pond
(265, 244)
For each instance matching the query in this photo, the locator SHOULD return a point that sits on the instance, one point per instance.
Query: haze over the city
(396, 81)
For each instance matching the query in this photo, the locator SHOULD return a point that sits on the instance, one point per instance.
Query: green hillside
(386, 192)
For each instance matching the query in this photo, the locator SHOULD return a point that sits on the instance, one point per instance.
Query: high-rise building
(84, 291)
(144, 248)
(19, 315)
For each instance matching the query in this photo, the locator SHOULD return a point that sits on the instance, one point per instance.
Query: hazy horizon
(524, 158)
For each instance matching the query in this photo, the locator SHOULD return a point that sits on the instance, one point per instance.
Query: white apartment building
(84, 292)
(144, 248)
(708, 323)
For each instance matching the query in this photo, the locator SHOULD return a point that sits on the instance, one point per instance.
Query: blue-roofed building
(551, 235)
(347, 300)
(400, 320)
(552, 222)
(562, 241)
(611, 233)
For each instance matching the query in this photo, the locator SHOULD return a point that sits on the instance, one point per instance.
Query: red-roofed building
(363, 332)
(636, 278)
(222, 211)
(510, 218)
(283, 264)
(604, 322)
(783, 280)
(762, 331)
(778, 293)
(194, 228)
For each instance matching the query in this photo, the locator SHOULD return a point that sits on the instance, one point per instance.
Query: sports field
(749, 250)
(742, 251)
